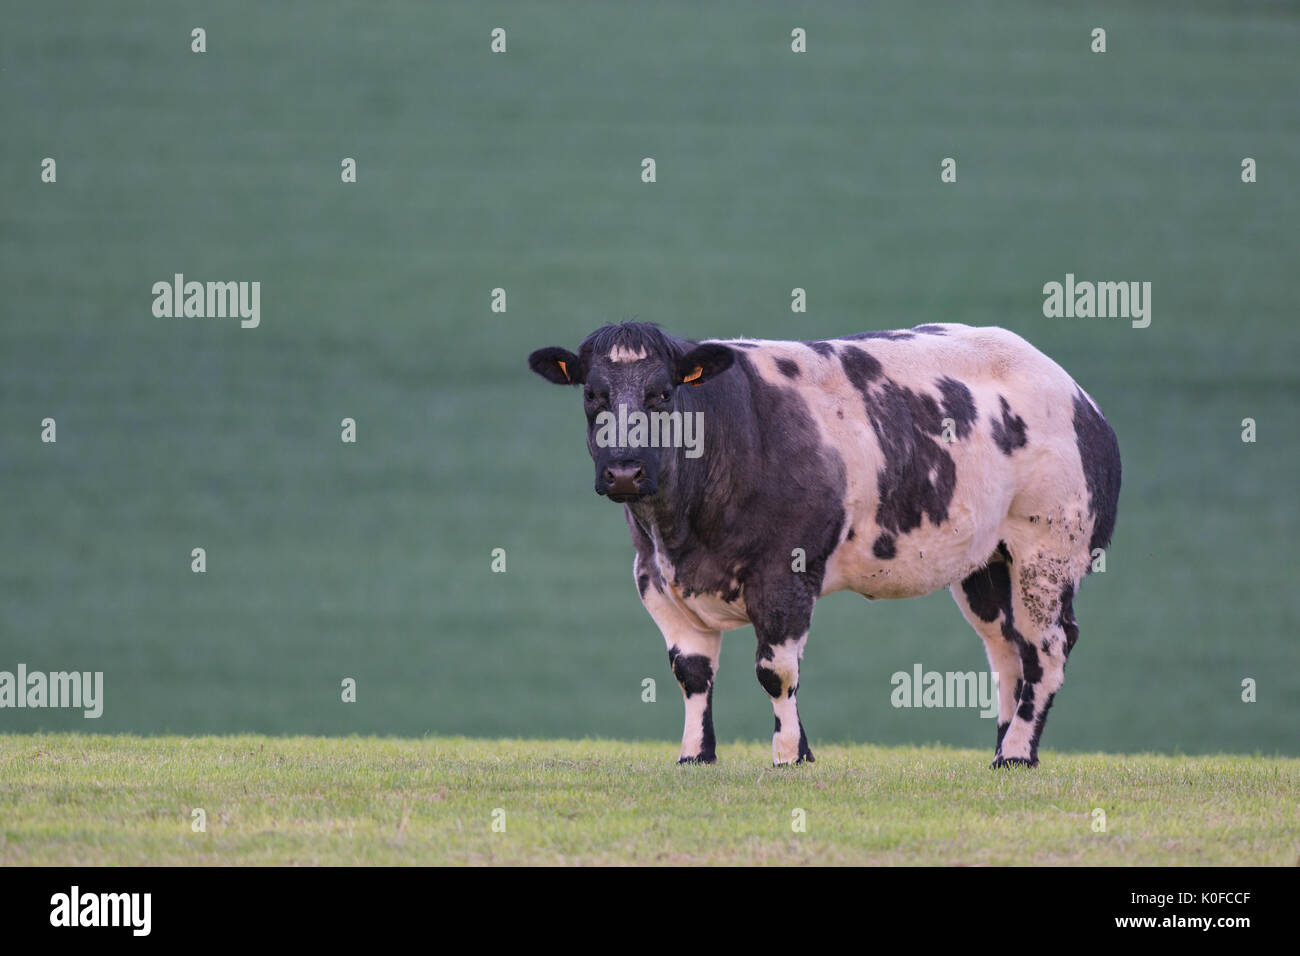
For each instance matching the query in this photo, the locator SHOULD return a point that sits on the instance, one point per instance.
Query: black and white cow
(894, 463)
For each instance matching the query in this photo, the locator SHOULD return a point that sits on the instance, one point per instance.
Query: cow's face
(621, 381)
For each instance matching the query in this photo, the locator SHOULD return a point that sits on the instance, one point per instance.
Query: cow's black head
(624, 369)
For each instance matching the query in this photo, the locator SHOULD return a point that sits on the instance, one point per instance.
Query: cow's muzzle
(624, 481)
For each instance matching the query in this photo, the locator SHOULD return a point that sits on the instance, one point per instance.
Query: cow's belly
(924, 560)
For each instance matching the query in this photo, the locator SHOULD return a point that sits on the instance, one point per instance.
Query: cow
(887, 463)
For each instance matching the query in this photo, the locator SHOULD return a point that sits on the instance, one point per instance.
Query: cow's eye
(655, 398)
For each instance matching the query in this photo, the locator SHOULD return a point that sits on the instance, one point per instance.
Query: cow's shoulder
(786, 363)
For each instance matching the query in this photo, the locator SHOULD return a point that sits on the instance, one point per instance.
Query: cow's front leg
(694, 660)
(693, 652)
(693, 656)
(777, 667)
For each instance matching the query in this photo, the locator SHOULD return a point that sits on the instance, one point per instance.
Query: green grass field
(522, 171)
(99, 800)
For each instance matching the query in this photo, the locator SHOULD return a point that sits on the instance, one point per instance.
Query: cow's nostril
(609, 477)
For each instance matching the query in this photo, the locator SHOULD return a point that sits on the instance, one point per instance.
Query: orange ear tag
(563, 368)
(694, 375)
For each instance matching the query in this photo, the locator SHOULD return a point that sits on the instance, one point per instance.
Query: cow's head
(636, 366)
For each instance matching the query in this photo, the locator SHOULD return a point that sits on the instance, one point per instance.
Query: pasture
(372, 561)
(122, 800)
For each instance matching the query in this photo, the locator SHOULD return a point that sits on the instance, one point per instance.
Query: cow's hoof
(699, 758)
(1000, 761)
(802, 752)
(805, 757)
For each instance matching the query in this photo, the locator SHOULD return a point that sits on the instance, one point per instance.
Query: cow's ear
(556, 365)
(702, 364)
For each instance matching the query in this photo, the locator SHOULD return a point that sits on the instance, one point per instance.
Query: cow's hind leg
(985, 601)
(1044, 580)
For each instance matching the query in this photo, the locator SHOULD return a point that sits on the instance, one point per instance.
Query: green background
(522, 171)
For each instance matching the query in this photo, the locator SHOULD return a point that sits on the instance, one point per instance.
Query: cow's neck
(668, 516)
(697, 497)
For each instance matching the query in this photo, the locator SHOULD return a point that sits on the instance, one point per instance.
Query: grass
(73, 799)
